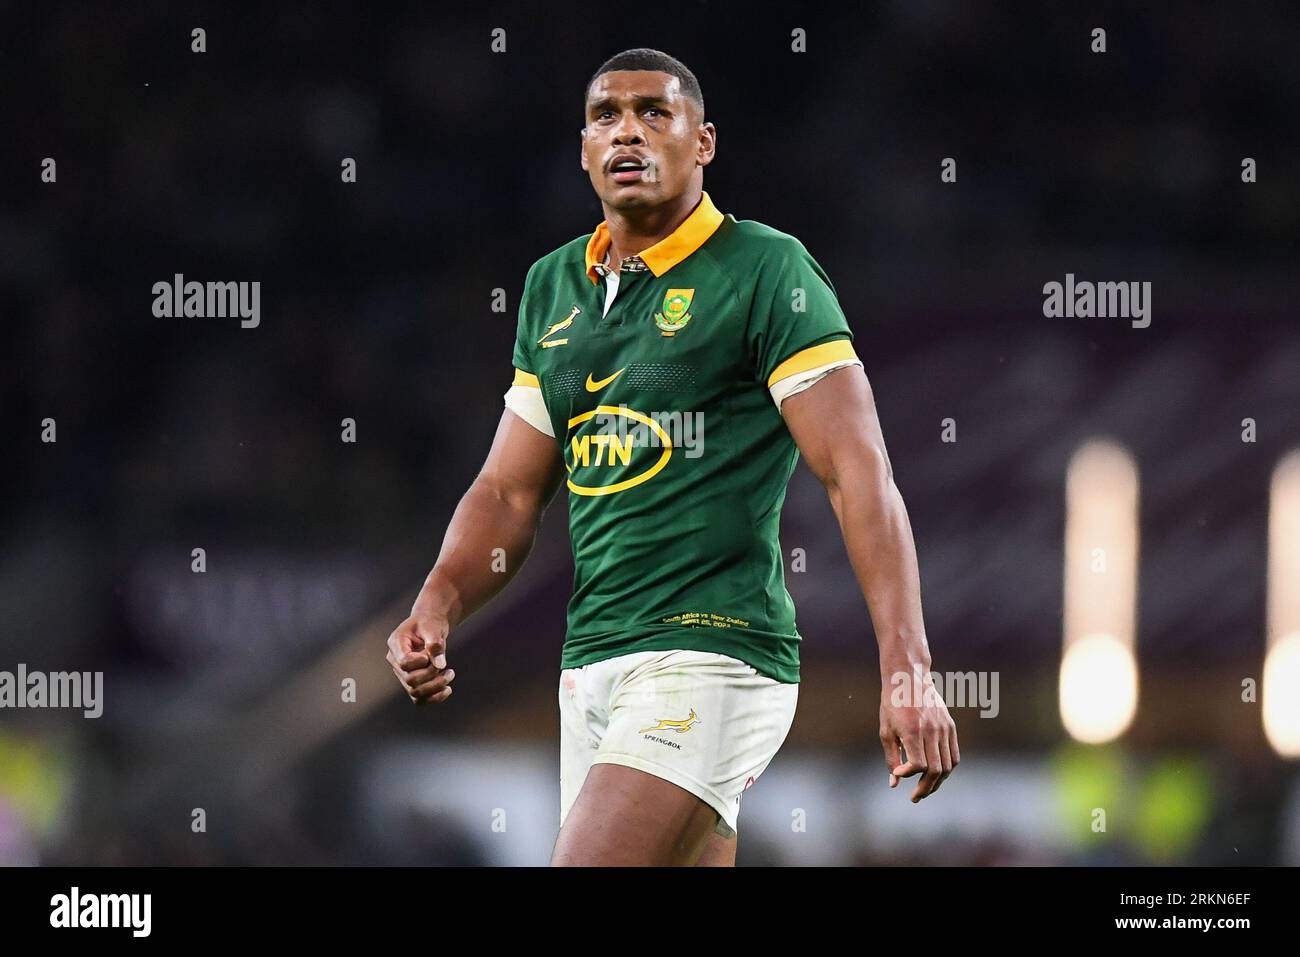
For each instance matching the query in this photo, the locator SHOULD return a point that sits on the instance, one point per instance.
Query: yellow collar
(669, 251)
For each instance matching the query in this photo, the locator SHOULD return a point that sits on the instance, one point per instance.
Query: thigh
(625, 817)
(718, 852)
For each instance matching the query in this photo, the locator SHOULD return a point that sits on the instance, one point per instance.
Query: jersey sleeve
(524, 397)
(794, 384)
(523, 353)
(797, 328)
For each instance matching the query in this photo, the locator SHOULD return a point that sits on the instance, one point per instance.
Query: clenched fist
(417, 652)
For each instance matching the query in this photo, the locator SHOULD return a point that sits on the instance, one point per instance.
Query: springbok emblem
(681, 727)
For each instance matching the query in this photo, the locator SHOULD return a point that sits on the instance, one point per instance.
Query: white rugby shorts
(706, 722)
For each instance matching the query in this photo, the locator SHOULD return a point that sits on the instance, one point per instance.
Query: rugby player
(669, 368)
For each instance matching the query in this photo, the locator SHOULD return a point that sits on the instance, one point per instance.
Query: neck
(633, 231)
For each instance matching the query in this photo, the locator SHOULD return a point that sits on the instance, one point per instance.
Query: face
(643, 144)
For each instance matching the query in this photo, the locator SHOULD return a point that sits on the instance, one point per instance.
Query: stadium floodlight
(1280, 691)
(1099, 673)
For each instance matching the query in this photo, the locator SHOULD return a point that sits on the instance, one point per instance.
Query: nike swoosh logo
(594, 386)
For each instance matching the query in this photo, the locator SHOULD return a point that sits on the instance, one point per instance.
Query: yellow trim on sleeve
(812, 357)
(526, 378)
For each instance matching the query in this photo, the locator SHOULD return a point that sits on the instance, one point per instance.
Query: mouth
(627, 169)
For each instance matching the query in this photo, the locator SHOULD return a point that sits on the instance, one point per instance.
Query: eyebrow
(640, 101)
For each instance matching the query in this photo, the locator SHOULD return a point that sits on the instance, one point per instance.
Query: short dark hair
(643, 58)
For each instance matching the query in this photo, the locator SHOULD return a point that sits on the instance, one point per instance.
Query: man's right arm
(501, 510)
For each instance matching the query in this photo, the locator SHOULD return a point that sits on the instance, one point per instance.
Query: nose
(627, 132)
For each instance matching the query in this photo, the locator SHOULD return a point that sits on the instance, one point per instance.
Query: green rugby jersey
(677, 455)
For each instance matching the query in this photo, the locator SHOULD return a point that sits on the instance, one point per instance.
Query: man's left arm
(834, 423)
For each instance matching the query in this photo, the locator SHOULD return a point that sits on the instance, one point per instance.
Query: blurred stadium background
(222, 690)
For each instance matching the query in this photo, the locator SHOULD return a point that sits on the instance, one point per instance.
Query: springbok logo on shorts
(681, 727)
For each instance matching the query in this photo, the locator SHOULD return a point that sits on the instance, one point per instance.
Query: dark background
(222, 689)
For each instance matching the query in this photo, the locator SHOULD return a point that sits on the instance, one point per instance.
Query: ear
(708, 144)
(582, 148)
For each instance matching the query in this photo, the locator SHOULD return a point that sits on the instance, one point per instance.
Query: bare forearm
(836, 428)
(878, 537)
(470, 570)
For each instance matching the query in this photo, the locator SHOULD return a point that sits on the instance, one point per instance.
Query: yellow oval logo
(608, 450)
